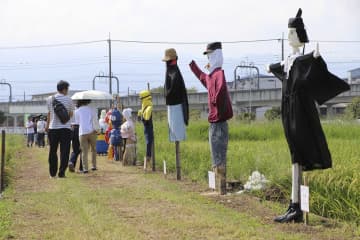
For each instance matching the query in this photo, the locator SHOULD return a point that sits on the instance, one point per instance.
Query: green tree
(245, 116)
(160, 89)
(353, 109)
(273, 113)
(2, 117)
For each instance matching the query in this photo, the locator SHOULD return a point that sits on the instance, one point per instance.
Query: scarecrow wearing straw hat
(177, 103)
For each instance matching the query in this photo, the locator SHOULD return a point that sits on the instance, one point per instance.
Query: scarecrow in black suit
(305, 80)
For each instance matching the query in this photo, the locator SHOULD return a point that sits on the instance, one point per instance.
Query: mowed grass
(261, 146)
(124, 203)
(13, 144)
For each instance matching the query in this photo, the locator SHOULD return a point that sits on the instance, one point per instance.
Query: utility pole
(128, 98)
(282, 47)
(110, 78)
(3, 82)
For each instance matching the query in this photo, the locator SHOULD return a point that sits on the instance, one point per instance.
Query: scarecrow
(305, 80)
(145, 115)
(220, 110)
(177, 103)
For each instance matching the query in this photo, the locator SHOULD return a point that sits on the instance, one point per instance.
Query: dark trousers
(60, 136)
(75, 148)
(41, 139)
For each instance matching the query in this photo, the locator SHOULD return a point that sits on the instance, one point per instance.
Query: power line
(164, 42)
(336, 41)
(52, 45)
(193, 43)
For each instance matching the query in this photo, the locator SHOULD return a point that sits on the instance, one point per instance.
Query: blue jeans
(218, 140)
(30, 138)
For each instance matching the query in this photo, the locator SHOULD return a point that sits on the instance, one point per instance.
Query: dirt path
(124, 203)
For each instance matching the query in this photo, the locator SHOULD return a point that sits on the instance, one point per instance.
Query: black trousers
(75, 147)
(41, 139)
(60, 136)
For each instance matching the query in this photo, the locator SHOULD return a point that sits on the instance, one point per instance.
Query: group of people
(35, 131)
(80, 131)
(305, 79)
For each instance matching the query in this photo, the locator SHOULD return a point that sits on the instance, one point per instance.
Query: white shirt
(85, 116)
(55, 122)
(30, 127)
(128, 130)
(41, 124)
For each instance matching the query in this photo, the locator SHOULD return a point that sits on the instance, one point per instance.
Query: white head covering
(127, 113)
(103, 114)
(215, 60)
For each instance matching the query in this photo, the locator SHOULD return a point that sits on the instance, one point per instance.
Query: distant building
(44, 96)
(354, 76)
(264, 82)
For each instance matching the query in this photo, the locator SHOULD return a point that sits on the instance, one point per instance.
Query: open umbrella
(92, 95)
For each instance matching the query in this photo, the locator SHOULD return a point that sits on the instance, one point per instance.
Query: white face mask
(215, 60)
(293, 38)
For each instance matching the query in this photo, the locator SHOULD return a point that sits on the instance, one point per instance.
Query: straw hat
(170, 54)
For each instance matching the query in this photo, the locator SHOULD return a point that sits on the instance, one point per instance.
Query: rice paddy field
(261, 146)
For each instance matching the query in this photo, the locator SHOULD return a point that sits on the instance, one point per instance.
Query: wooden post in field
(178, 166)
(306, 213)
(2, 179)
(153, 155)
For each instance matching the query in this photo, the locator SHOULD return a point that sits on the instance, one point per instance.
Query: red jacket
(220, 108)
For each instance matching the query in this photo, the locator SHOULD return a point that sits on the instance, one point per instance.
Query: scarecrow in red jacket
(220, 110)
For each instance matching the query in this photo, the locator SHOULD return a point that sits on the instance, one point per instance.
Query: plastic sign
(211, 179)
(305, 206)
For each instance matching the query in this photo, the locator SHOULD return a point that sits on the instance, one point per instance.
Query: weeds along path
(124, 203)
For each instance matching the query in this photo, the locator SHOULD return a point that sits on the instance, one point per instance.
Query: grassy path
(124, 203)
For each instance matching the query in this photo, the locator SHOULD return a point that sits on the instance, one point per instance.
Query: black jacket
(309, 80)
(175, 90)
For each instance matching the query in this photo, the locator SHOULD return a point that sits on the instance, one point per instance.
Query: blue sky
(38, 22)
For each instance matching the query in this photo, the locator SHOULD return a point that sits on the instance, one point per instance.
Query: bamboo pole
(2, 179)
(178, 166)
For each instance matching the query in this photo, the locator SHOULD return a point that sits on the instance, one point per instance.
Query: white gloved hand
(316, 53)
(267, 67)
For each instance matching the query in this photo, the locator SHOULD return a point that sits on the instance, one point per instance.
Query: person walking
(88, 122)
(41, 125)
(59, 130)
(30, 132)
(220, 110)
(75, 143)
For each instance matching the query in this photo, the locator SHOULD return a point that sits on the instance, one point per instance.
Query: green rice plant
(262, 146)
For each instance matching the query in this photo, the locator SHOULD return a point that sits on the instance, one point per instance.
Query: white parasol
(92, 95)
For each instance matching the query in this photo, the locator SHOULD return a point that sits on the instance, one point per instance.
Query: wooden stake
(2, 179)
(153, 155)
(178, 166)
